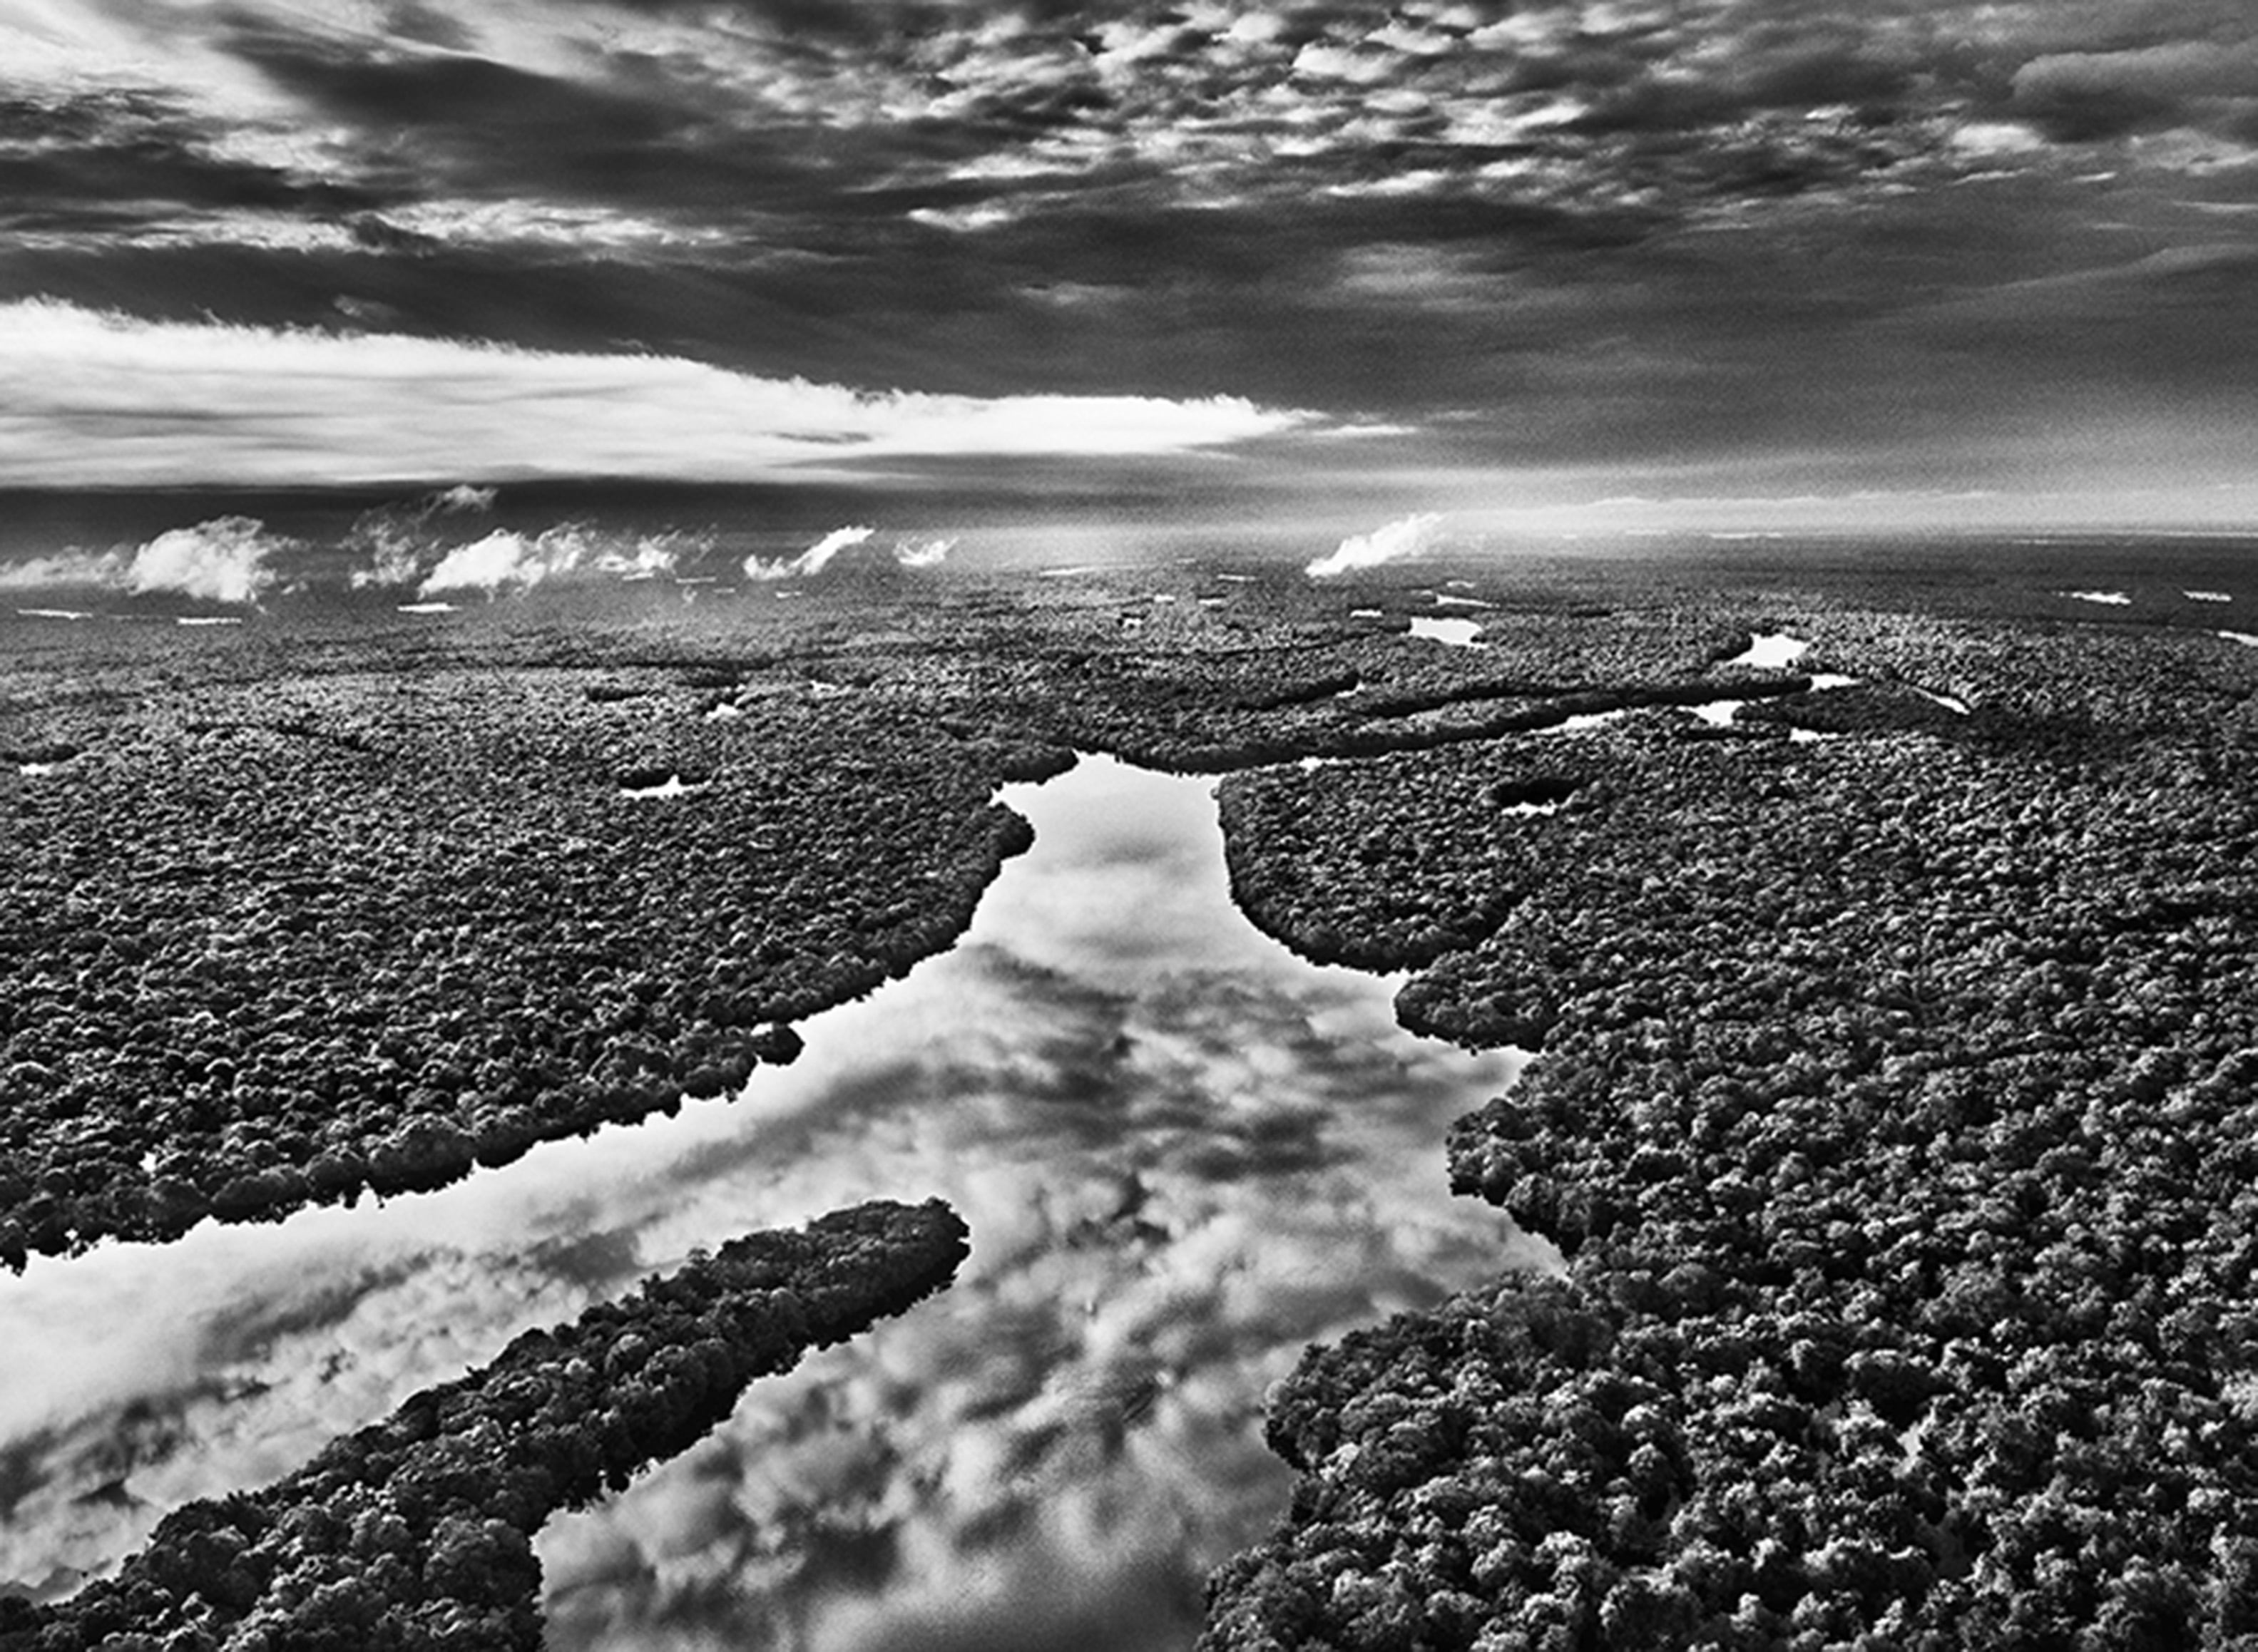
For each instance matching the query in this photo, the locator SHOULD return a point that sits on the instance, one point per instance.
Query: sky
(1757, 260)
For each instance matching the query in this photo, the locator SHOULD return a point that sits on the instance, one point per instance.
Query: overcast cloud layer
(1705, 247)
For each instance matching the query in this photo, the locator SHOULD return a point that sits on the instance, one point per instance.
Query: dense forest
(1896, 1033)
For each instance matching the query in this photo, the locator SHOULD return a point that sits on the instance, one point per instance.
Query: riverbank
(376, 920)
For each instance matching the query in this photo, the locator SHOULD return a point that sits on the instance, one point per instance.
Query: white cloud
(813, 560)
(651, 556)
(396, 559)
(394, 535)
(93, 399)
(1404, 538)
(1326, 60)
(222, 561)
(403, 546)
(923, 553)
(464, 497)
(969, 220)
(1987, 139)
(64, 568)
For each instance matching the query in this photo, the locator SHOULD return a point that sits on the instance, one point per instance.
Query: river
(1183, 1153)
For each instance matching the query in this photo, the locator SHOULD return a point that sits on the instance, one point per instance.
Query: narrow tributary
(1184, 1153)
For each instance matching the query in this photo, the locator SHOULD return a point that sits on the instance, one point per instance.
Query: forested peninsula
(417, 1532)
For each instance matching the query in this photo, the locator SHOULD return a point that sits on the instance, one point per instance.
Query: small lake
(1184, 1153)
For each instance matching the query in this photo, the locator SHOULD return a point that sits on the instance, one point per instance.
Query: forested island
(1894, 1032)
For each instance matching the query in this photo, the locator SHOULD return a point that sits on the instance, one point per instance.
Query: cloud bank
(1407, 537)
(222, 560)
(89, 398)
(504, 560)
(407, 544)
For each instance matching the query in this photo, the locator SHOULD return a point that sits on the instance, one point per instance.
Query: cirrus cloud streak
(93, 399)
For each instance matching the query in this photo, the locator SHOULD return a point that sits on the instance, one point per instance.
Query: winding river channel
(1183, 1153)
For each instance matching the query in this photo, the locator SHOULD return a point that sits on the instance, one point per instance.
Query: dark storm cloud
(2186, 317)
(410, 21)
(2080, 97)
(470, 120)
(450, 96)
(1806, 74)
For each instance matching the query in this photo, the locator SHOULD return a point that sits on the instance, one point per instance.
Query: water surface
(1455, 634)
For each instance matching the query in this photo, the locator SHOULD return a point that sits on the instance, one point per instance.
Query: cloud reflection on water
(1184, 1153)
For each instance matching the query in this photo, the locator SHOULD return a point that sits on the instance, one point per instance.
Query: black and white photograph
(1080, 826)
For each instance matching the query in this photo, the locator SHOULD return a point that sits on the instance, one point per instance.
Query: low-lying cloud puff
(1406, 536)
(501, 559)
(220, 560)
(396, 538)
(93, 398)
(810, 561)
